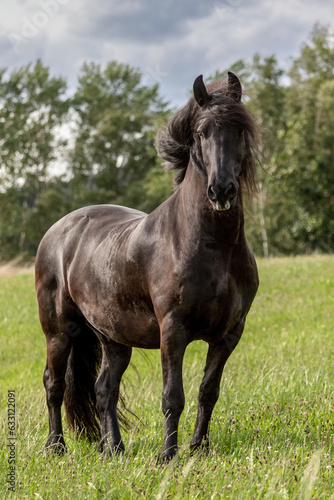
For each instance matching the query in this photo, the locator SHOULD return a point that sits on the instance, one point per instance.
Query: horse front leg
(173, 344)
(115, 360)
(217, 356)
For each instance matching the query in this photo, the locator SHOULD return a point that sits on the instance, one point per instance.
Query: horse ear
(200, 93)
(234, 86)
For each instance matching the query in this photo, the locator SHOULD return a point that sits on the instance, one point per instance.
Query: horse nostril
(231, 191)
(212, 194)
(219, 193)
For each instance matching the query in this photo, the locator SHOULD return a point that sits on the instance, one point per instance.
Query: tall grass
(272, 431)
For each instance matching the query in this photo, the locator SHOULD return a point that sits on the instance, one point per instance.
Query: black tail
(79, 399)
(82, 370)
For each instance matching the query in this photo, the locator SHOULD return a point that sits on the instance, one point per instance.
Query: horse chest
(205, 294)
(214, 309)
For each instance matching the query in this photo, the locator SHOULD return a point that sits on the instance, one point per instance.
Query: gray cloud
(171, 41)
(146, 20)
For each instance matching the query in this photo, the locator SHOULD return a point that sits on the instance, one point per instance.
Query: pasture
(272, 431)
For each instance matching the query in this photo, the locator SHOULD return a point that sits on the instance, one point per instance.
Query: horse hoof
(56, 446)
(199, 448)
(110, 451)
(167, 456)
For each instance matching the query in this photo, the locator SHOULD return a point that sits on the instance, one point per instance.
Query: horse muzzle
(223, 198)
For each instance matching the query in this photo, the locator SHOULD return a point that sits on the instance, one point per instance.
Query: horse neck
(193, 204)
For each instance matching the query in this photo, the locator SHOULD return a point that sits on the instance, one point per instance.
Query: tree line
(60, 150)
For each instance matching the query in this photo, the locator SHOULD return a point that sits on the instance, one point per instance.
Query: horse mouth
(222, 207)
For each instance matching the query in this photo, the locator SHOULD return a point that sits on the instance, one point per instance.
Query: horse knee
(208, 398)
(173, 402)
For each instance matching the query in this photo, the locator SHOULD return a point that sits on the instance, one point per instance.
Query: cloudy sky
(170, 41)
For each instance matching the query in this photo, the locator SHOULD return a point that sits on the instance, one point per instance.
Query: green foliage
(50, 206)
(265, 97)
(295, 210)
(309, 155)
(116, 115)
(272, 430)
(11, 210)
(115, 119)
(294, 107)
(32, 108)
(109, 157)
(32, 104)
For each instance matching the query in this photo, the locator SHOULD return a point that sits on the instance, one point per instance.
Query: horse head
(219, 141)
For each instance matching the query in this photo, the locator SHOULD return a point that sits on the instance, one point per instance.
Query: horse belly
(133, 326)
(137, 330)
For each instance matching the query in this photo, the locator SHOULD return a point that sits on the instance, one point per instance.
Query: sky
(171, 42)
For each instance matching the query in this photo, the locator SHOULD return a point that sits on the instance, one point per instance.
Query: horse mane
(174, 142)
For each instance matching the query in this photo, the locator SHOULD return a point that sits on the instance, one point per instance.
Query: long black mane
(175, 142)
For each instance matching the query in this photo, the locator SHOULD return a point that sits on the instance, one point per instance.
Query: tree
(115, 119)
(111, 158)
(33, 105)
(114, 145)
(308, 169)
(11, 216)
(50, 205)
(267, 104)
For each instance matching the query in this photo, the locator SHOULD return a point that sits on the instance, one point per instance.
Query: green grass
(272, 431)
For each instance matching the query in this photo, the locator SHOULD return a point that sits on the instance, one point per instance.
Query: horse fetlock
(56, 444)
(109, 448)
(168, 454)
(199, 444)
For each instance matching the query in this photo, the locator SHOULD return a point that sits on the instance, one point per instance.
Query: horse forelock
(174, 142)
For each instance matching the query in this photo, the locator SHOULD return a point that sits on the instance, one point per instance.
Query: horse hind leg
(58, 350)
(55, 314)
(115, 360)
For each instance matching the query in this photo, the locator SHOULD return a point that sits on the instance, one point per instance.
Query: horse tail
(82, 370)
(83, 366)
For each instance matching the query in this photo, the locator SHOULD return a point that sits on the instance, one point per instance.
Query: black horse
(110, 278)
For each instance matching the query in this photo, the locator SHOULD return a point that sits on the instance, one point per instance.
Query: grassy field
(272, 432)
